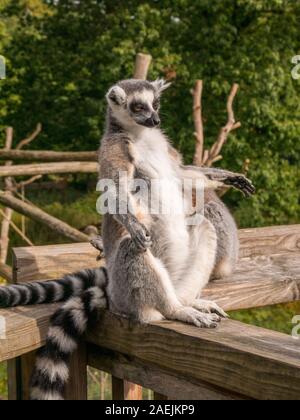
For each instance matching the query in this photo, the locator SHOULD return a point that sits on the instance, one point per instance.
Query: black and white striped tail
(67, 325)
(51, 291)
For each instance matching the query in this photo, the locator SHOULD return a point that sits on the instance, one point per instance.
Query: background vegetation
(62, 55)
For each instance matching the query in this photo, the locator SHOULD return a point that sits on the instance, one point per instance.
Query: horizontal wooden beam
(258, 281)
(149, 376)
(52, 261)
(269, 240)
(49, 168)
(235, 359)
(23, 330)
(240, 358)
(47, 156)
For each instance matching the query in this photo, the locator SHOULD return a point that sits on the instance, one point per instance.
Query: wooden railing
(236, 361)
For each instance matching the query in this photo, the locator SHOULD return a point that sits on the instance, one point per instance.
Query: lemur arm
(227, 178)
(222, 176)
(116, 164)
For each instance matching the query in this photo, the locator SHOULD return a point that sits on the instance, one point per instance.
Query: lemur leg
(141, 288)
(200, 264)
(227, 234)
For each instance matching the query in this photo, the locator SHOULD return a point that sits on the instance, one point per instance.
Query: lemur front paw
(97, 243)
(241, 183)
(209, 307)
(140, 236)
(199, 319)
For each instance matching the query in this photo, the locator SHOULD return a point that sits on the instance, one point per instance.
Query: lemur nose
(155, 119)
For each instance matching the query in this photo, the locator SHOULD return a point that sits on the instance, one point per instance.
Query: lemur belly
(151, 154)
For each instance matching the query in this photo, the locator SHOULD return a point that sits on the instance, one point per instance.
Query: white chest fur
(151, 154)
(152, 158)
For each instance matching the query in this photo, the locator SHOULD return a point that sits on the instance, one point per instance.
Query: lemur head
(136, 102)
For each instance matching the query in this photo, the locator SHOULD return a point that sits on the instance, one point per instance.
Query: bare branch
(48, 156)
(225, 131)
(6, 272)
(198, 122)
(28, 181)
(15, 227)
(30, 139)
(41, 216)
(49, 168)
(8, 183)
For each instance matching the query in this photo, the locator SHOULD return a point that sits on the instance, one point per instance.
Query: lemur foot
(199, 319)
(209, 307)
(241, 183)
(97, 243)
(140, 236)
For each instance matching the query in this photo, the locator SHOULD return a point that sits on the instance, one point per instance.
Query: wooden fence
(176, 361)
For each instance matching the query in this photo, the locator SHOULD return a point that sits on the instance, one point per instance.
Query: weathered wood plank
(258, 281)
(269, 240)
(250, 361)
(24, 329)
(215, 357)
(76, 389)
(53, 261)
(149, 376)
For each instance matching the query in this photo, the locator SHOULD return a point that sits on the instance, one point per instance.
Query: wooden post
(4, 241)
(142, 65)
(124, 390)
(76, 389)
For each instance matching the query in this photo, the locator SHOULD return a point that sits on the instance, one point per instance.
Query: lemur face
(136, 102)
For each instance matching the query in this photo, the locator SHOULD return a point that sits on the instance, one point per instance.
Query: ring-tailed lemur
(157, 265)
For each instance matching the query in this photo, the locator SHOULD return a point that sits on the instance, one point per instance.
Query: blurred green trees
(63, 55)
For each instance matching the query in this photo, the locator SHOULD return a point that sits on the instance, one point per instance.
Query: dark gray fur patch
(132, 85)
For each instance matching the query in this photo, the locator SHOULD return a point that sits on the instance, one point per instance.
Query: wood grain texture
(269, 240)
(24, 328)
(53, 261)
(247, 360)
(258, 281)
(149, 376)
(76, 389)
(242, 359)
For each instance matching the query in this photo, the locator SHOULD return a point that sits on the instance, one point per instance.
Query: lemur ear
(116, 96)
(160, 85)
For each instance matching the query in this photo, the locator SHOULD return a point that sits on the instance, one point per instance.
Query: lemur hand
(241, 183)
(140, 236)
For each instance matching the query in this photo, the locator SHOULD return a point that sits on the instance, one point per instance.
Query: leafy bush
(63, 55)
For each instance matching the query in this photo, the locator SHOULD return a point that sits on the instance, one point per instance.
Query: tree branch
(49, 168)
(48, 156)
(30, 139)
(198, 122)
(225, 131)
(41, 216)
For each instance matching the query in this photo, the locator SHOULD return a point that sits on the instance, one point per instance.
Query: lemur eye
(155, 105)
(138, 108)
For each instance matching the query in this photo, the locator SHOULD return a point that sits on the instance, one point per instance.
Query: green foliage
(63, 55)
